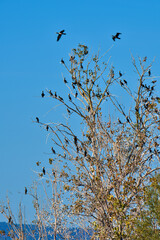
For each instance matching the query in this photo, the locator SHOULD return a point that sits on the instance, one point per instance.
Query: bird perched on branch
(116, 36)
(42, 94)
(62, 32)
(37, 119)
(44, 171)
(53, 150)
(65, 81)
(25, 190)
(149, 72)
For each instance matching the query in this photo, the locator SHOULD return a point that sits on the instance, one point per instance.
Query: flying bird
(62, 32)
(116, 36)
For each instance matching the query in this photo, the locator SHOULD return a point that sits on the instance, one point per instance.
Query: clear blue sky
(30, 62)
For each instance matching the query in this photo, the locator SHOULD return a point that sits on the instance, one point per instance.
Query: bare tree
(106, 165)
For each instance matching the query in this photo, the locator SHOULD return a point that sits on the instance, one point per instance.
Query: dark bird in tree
(76, 94)
(66, 141)
(68, 111)
(70, 99)
(62, 61)
(125, 81)
(149, 72)
(44, 171)
(65, 81)
(88, 108)
(122, 84)
(37, 119)
(127, 118)
(72, 58)
(53, 150)
(145, 59)
(61, 98)
(50, 92)
(55, 94)
(47, 127)
(25, 190)
(81, 65)
(73, 85)
(10, 219)
(42, 94)
(75, 140)
(116, 36)
(119, 121)
(85, 153)
(62, 32)
(120, 74)
(154, 81)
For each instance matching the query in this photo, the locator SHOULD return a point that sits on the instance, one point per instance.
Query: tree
(106, 166)
(106, 162)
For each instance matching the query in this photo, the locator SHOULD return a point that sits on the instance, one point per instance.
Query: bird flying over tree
(116, 36)
(62, 32)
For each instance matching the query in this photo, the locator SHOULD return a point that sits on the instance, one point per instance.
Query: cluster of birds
(62, 32)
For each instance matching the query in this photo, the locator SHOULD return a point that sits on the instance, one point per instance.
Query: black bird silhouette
(119, 121)
(47, 127)
(68, 111)
(65, 81)
(116, 36)
(120, 74)
(25, 190)
(69, 97)
(121, 83)
(149, 72)
(62, 32)
(62, 61)
(75, 140)
(73, 85)
(66, 141)
(81, 65)
(37, 119)
(76, 94)
(55, 94)
(50, 92)
(72, 58)
(53, 150)
(10, 219)
(42, 94)
(125, 81)
(61, 98)
(44, 171)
